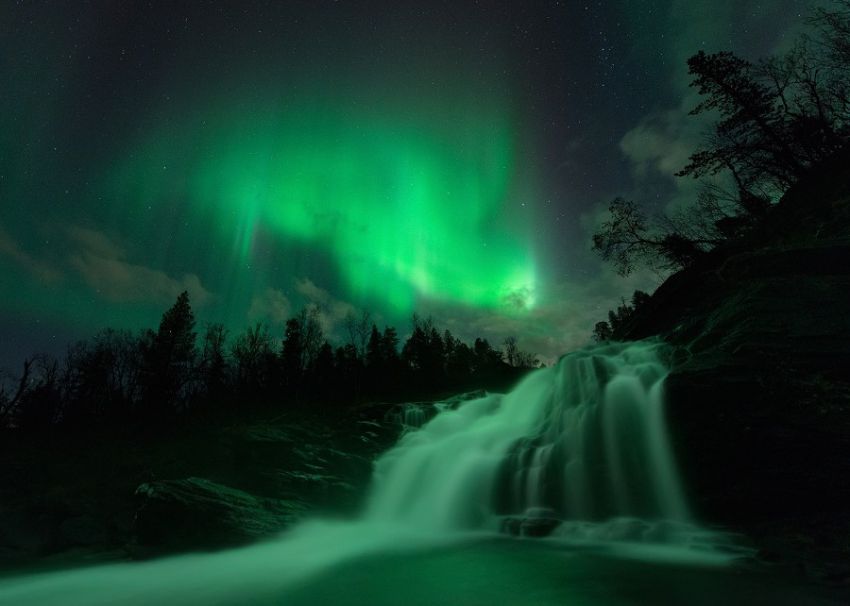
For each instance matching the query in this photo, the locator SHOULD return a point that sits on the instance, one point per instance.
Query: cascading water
(583, 442)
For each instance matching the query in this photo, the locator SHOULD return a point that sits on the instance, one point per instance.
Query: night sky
(451, 158)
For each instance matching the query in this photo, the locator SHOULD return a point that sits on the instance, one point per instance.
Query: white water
(584, 441)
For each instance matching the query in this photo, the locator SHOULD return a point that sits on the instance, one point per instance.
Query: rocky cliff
(759, 396)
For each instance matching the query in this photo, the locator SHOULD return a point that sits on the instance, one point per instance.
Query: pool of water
(474, 571)
(527, 572)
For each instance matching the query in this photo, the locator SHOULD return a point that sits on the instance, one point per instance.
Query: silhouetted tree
(618, 319)
(214, 368)
(423, 352)
(389, 344)
(302, 341)
(101, 377)
(374, 350)
(40, 404)
(292, 354)
(349, 367)
(460, 360)
(255, 361)
(12, 391)
(627, 240)
(517, 358)
(359, 330)
(526, 359)
(485, 358)
(168, 356)
(776, 119)
(325, 376)
(511, 350)
(602, 332)
(750, 135)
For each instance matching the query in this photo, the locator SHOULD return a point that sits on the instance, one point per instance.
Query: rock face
(271, 474)
(759, 395)
(195, 513)
(109, 494)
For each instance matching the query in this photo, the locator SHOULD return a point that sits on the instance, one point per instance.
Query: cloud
(102, 264)
(661, 143)
(10, 248)
(332, 312)
(662, 140)
(561, 321)
(271, 306)
(95, 242)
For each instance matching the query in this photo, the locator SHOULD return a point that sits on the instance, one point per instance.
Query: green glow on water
(409, 203)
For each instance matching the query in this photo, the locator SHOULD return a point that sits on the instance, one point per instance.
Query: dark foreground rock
(105, 494)
(536, 522)
(193, 513)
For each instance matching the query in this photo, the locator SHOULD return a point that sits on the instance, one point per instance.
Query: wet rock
(758, 401)
(535, 522)
(82, 530)
(194, 513)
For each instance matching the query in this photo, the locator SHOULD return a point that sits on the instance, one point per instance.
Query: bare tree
(359, 330)
(10, 397)
(511, 350)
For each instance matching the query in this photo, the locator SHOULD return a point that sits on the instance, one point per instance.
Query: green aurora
(408, 205)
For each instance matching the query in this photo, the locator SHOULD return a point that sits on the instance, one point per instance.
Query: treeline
(618, 319)
(118, 376)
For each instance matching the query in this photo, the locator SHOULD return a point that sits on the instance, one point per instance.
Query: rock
(535, 522)
(758, 401)
(23, 533)
(194, 513)
(83, 530)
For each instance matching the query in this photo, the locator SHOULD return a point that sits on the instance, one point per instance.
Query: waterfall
(579, 449)
(582, 440)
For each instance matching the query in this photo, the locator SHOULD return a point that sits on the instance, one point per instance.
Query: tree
(374, 350)
(511, 350)
(832, 35)
(292, 353)
(526, 359)
(750, 136)
(486, 359)
(102, 376)
(782, 115)
(255, 360)
(40, 404)
(12, 391)
(423, 352)
(627, 240)
(303, 339)
(775, 120)
(619, 319)
(602, 332)
(359, 330)
(214, 367)
(168, 356)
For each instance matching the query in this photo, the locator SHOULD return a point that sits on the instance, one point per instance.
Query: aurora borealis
(449, 158)
(395, 200)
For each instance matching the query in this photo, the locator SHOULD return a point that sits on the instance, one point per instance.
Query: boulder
(534, 522)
